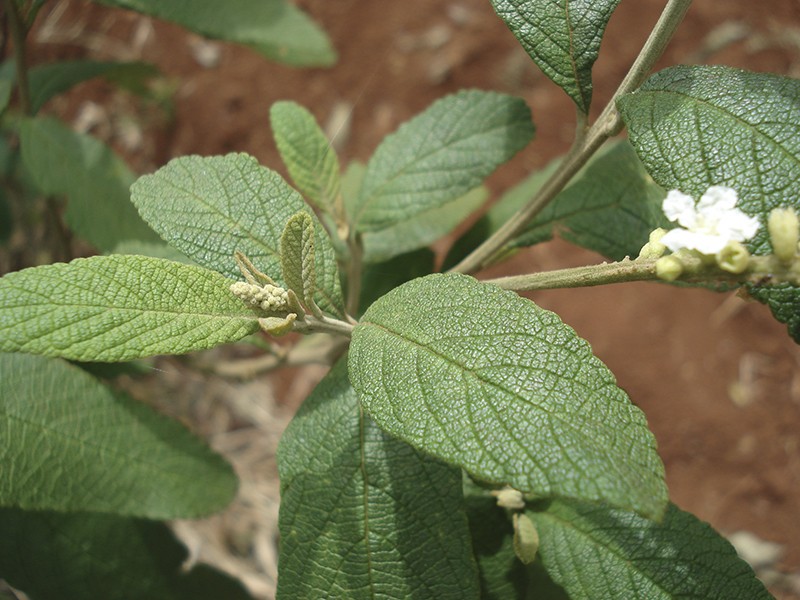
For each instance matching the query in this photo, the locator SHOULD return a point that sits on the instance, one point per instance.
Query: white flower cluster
(709, 225)
(270, 298)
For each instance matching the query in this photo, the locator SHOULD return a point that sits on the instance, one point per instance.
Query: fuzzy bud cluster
(269, 298)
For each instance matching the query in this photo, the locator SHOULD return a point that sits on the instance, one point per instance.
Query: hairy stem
(607, 124)
(323, 324)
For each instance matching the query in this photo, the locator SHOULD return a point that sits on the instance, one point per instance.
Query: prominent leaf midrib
(110, 451)
(613, 550)
(571, 53)
(377, 192)
(365, 495)
(754, 128)
(562, 419)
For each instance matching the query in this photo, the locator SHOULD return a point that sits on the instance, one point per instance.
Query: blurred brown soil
(718, 378)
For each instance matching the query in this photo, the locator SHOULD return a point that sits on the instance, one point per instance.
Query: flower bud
(784, 231)
(526, 538)
(733, 258)
(669, 268)
(654, 248)
(509, 498)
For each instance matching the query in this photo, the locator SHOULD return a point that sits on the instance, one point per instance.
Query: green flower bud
(669, 268)
(733, 258)
(784, 231)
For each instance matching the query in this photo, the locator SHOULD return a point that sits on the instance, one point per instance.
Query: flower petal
(739, 226)
(678, 239)
(718, 198)
(679, 207)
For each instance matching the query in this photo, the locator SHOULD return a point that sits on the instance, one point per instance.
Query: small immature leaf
(694, 127)
(56, 556)
(484, 379)
(113, 308)
(90, 175)
(70, 444)
(297, 256)
(562, 37)
(275, 28)
(375, 518)
(598, 552)
(439, 156)
(308, 156)
(47, 81)
(211, 207)
(526, 538)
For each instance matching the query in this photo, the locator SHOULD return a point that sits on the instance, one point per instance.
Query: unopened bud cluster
(269, 298)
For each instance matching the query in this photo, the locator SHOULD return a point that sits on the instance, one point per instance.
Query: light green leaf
(610, 208)
(47, 81)
(562, 37)
(694, 127)
(440, 155)
(308, 156)
(422, 229)
(154, 249)
(210, 207)
(297, 256)
(90, 175)
(375, 518)
(275, 28)
(113, 308)
(70, 444)
(598, 552)
(79, 556)
(484, 379)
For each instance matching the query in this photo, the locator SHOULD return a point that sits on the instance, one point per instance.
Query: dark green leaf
(308, 156)
(381, 278)
(113, 308)
(83, 556)
(487, 380)
(47, 81)
(70, 444)
(210, 207)
(275, 28)
(562, 37)
(440, 155)
(95, 181)
(598, 552)
(364, 515)
(6, 218)
(7, 72)
(694, 127)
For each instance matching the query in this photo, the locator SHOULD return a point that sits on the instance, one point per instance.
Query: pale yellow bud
(654, 248)
(669, 268)
(733, 258)
(509, 498)
(784, 231)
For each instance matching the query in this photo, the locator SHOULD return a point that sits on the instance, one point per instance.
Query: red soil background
(717, 377)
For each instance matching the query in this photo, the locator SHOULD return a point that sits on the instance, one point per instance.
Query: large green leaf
(364, 515)
(50, 80)
(487, 380)
(694, 127)
(610, 208)
(275, 28)
(113, 308)
(598, 552)
(70, 444)
(307, 154)
(562, 37)
(90, 175)
(81, 556)
(210, 207)
(440, 155)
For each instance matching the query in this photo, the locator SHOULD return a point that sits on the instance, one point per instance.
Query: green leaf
(440, 155)
(7, 73)
(297, 256)
(274, 28)
(422, 229)
(694, 127)
(308, 156)
(381, 278)
(154, 249)
(90, 175)
(372, 516)
(610, 208)
(6, 218)
(598, 552)
(53, 556)
(484, 379)
(47, 81)
(562, 37)
(70, 444)
(210, 207)
(114, 308)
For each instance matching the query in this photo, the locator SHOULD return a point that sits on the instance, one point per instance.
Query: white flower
(710, 224)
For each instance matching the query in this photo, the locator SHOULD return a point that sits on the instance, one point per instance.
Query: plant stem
(761, 270)
(18, 34)
(607, 124)
(354, 274)
(323, 324)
